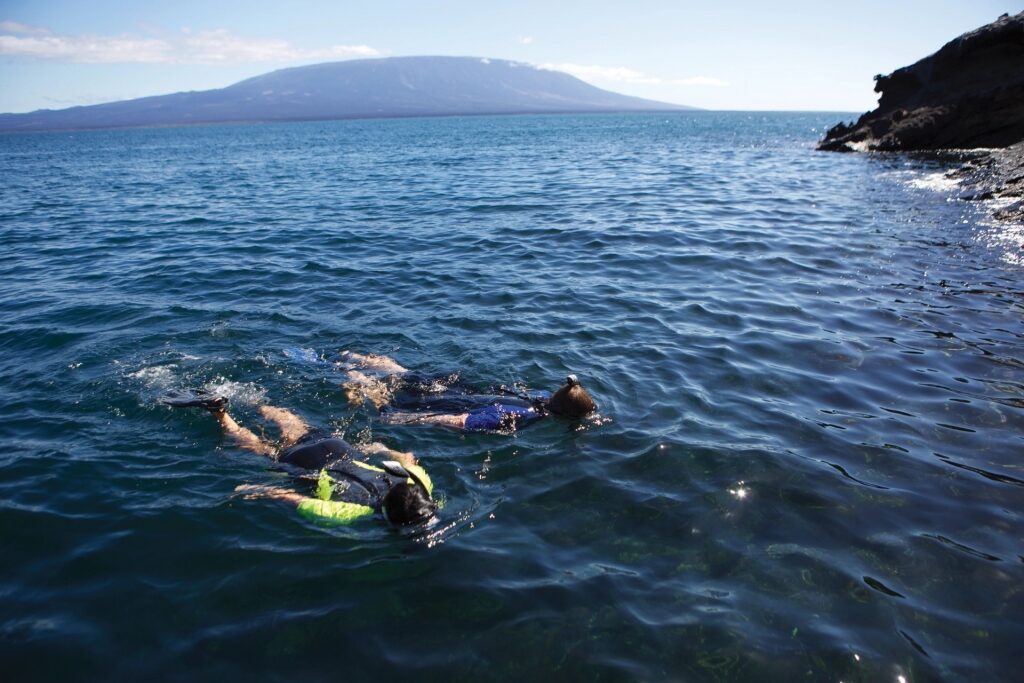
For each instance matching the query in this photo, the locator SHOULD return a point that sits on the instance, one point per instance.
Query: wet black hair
(572, 400)
(407, 503)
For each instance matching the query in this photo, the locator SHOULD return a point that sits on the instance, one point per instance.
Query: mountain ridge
(392, 87)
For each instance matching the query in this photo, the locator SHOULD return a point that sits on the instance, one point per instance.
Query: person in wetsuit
(407, 397)
(346, 489)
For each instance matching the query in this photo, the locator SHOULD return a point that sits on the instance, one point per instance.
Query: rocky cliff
(967, 95)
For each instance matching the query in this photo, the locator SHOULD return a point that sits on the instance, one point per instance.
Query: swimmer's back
(502, 417)
(317, 450)
(463, 400)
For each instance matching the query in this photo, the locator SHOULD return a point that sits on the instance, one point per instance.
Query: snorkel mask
(415, 502)
(572, 400)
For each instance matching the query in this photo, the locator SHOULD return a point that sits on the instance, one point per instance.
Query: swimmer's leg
(373, 361)
(242, 436)
(291, 425)
(377, 448)
(439, 420)
(217, 406)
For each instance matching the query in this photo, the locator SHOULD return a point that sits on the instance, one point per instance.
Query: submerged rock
(967, 95)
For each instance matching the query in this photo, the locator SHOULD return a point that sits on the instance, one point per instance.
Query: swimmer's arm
(333, 511)
(254, 492)
(457, 421)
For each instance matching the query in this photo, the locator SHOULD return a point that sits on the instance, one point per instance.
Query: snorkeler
(406, 397)
(346, 488)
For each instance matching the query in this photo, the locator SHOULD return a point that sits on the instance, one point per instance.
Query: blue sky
(795, 55)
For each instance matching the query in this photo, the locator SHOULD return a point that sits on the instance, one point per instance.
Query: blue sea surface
(809, 368)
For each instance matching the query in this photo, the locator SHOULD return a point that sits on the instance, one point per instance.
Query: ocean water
(809, 366)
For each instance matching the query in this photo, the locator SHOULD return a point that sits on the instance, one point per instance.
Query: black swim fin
(199, 398)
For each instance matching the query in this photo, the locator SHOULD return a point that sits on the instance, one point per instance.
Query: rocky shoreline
(996, 174)
(967, 96)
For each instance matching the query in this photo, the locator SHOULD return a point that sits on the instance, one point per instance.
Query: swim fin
(200, 398)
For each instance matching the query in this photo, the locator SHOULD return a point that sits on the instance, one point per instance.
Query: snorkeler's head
(407, 504)
(572, 400)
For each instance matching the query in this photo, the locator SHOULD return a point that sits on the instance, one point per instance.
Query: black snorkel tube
(413, 512)
(395, 468)
(539, 404)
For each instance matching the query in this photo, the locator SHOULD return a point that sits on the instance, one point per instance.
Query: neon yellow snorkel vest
(323, 510)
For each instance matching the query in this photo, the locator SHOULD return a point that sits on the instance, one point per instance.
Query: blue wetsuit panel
(500, 416)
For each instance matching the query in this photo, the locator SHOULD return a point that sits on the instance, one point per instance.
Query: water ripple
(810, 371)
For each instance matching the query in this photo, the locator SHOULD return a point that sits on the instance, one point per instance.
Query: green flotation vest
(323, 510)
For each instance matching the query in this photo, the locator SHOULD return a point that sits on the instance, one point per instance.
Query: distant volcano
(365, 88)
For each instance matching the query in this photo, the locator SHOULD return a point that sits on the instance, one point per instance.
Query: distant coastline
(393, 117)
(395, 87)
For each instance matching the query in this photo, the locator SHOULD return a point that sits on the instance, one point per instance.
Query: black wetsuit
(354, 481)
(489, 410)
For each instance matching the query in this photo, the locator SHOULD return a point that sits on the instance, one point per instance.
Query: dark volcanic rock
(969, 94)
(998, 174)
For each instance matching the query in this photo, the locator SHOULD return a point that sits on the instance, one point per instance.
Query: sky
(743, 54)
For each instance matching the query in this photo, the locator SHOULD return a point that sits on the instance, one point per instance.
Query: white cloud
(221, 47)
(87, 49)
(24, 29)
(190, 47)
(526, 40)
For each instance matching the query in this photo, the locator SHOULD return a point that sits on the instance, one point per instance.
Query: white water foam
(237, 392)
(156, 377)
(936, 182)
